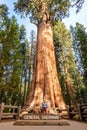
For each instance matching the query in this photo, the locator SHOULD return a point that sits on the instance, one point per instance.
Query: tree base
(41, 119)
(37, 110)
(42, 122)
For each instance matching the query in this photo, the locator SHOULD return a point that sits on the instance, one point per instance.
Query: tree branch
(76, 3)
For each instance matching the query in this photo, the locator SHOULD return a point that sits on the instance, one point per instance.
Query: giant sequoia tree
(45, 84)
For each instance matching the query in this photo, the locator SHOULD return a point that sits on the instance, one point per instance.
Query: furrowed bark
(45, 84)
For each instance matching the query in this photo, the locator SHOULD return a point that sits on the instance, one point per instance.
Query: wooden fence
(75, 112)
(7, 111)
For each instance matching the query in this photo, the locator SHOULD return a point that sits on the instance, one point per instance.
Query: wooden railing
(75, 112)
(7, 111)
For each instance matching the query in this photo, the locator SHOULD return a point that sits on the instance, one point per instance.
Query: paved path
(73, 126)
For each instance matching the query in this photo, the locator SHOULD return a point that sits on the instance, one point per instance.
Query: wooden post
(1, 110)
(18, 111)
(79, 112)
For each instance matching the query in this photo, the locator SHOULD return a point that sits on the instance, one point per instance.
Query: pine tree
(10, 59)
(79, 36)
(65, 60)
(31, 54)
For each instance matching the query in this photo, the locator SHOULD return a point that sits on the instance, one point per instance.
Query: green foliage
(66, 65)
(17, 55)
(10, 62)
(35, 8)
(79, 35)
(3, 12)
(28, 52)
(57, 9)
(64, 56)
(83, 92)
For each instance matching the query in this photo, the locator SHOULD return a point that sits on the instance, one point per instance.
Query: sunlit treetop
(3, 10)
(55, 9)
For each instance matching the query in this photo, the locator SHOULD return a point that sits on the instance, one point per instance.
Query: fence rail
(76, 112)
(7, 111)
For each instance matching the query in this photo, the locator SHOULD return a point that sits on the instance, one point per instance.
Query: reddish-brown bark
(45, 84)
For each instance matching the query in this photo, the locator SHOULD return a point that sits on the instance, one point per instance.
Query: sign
(40, 117)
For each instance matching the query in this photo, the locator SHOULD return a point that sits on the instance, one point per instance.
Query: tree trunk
(25, 85)
(45, 84)
(69, 83)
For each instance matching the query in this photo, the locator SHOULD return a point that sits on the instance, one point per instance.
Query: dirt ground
(73, 126)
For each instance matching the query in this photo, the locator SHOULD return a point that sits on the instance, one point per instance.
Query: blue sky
(80, 17)
(20, 20)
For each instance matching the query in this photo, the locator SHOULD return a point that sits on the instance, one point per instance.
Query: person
(44, 107)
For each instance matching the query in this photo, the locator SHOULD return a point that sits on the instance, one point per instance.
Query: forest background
(17, 52)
